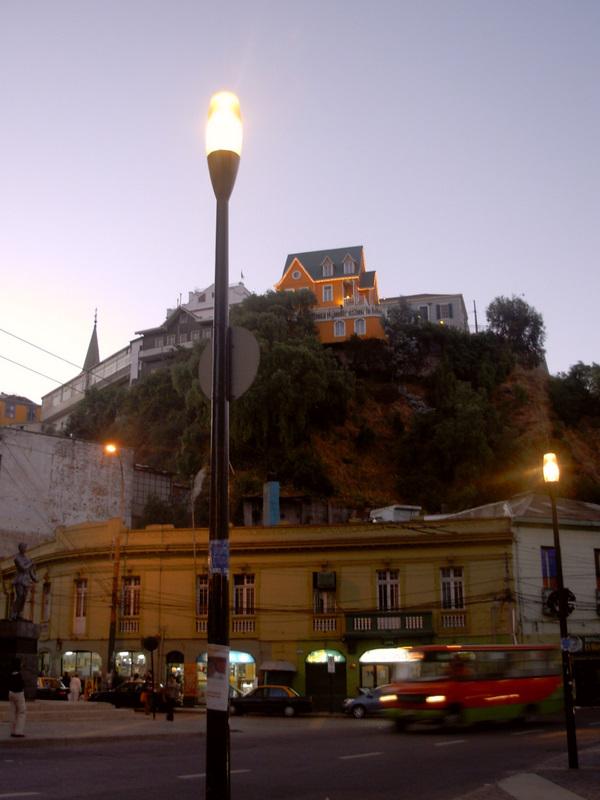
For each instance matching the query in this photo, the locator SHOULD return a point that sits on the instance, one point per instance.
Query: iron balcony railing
(391, 623)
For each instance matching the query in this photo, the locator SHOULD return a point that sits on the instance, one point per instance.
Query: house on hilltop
(346, 292)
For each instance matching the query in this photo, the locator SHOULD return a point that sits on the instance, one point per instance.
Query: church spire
(93, 354)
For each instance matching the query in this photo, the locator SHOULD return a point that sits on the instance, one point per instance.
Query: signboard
(330, 663)
(217, 672)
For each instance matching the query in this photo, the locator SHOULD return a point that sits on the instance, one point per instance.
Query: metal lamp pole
(551, 477)
(112, 450)
(223, 147)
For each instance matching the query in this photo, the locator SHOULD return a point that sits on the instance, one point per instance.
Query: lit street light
(113, 450)
(223, 148)
(551, 478)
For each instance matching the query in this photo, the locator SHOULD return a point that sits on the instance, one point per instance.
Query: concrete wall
(50, 481)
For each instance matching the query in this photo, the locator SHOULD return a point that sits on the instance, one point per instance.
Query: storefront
(242, 672)
(326, 679)
(377, 666)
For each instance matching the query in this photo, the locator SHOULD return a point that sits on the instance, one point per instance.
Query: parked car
(51, 689)
(129, 695)
(369, 701)
(271, 699)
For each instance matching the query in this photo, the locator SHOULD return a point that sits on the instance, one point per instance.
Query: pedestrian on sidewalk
(171, 695)
(16, 698)
(74, 688)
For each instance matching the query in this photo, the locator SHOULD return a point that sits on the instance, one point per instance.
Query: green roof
(313, 261)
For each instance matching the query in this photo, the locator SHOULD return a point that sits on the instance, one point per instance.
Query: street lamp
(223, 148)
(111, 449)
(551, 477)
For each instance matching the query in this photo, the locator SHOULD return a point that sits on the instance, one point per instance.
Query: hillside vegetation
(432, 417)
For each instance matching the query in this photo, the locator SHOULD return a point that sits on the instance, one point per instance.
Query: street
(311, 758)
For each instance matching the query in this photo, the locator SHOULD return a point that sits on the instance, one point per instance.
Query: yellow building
(346, 293)
(319, 607)
(15, 410)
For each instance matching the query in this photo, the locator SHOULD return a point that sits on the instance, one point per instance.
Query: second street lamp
(113, 450)
(223, 148)
(551, 478)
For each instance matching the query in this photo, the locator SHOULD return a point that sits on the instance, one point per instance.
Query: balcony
(351, 310)
(325, 623)
(408, 624)
(129, 625)
(453, 620)
(243, 625)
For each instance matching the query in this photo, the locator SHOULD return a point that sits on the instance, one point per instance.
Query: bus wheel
(452, 717)
(528, 716)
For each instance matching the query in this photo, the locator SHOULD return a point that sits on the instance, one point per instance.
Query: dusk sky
(456, 140)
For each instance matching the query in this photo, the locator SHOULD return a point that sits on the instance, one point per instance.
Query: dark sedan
(125, 695)
(51, 689)
(271, 699)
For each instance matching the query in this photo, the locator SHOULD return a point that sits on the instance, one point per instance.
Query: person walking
(171, 696)
(74, 688)
(16, 699)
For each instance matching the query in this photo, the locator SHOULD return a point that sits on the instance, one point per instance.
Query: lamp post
(551, 478)
(112, 450)
(223, 148)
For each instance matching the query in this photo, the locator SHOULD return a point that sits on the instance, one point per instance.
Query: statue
(22, 581)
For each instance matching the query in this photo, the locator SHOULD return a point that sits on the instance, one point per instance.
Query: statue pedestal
(18, 639)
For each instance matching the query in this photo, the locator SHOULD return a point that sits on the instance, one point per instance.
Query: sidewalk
(55, 722)
(550, 779)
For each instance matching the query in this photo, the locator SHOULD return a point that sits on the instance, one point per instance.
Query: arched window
(360, 327)
(339, 328)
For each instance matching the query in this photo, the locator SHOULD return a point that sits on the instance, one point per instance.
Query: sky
(458, 141)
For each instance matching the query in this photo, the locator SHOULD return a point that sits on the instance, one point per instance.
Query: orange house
(15, 410)
(347, 294)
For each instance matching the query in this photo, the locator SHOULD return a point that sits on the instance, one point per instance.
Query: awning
(277, 666)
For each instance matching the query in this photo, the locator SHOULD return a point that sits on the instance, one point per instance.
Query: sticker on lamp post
(218, 557)
(217, 671)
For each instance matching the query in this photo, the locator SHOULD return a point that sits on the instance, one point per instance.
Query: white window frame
(452, 588)
(328, 268)
(339, 328)
(80, 605)
(360, 326)
(243, 594)
(130, 596)
(201, 595)
(328, 293)
(46, 602)
(296, 274)
(349, 266)
(388, 589)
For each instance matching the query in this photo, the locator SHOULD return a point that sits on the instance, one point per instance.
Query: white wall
(577, 546)
(48, 481)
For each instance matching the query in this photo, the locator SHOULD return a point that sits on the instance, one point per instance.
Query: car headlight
(435, 698)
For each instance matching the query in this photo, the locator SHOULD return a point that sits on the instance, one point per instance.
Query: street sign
(244, 357)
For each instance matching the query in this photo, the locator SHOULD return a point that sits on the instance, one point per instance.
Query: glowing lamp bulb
(551, 470)
(110, 448)
(224, 126)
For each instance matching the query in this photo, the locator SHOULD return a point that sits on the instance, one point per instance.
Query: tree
(576, 395)
(521, 326)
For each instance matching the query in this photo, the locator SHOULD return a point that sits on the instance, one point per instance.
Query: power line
(30, 369)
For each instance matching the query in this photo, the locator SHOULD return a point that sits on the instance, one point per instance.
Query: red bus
(464, 684)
